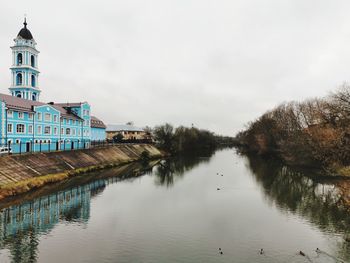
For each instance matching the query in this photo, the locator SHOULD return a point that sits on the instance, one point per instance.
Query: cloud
(217, 64)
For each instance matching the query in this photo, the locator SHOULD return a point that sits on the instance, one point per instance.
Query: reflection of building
(29, 125)
(129, 132)
(20, 225)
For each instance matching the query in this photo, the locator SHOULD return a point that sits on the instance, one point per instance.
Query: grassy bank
(24, 173)
(33, 183)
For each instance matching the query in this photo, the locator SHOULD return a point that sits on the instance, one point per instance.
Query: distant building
(129, 132)
(98, 129)
(29, 125)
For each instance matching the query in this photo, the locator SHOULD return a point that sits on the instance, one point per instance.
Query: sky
(212, 63)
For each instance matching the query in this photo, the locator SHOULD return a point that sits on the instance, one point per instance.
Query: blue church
(28, 125)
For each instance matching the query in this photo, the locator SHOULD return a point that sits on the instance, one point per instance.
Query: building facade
(128, 132)
(28, 125)
(98, 129)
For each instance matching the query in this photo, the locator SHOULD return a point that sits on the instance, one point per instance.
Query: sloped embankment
(21, 173)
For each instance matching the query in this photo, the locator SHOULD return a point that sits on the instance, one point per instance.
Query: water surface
(174, 212)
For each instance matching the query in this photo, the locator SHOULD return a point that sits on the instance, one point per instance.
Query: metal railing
(39, 146)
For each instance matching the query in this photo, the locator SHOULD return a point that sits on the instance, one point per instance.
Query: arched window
(33, 80)
(34, 97)
(19, 59)
(18, 95)
(32, 61)
(19, 79)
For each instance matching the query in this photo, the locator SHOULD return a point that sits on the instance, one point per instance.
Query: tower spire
(25, 21)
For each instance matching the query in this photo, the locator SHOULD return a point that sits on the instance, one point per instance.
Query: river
(180, 210)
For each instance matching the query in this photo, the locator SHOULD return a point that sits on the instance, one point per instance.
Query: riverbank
(23, 173)
(313, 133)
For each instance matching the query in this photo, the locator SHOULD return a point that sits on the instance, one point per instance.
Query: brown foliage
(314, 132)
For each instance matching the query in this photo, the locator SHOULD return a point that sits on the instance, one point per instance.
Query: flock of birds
(300, 253)
(218, 187)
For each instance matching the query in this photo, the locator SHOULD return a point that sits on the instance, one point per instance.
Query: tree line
(187, 139)
(315, 132)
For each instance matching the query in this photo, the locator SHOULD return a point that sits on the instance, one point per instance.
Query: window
(87, 112)
(20, 115)
(10, 114)
(47, 130)
(40, 117)
(9, 128)
(55, 118)
(55, 131)
(79, 132)
(62, 131)
(32, 61)
(34, 97)
(30, 129)
(19, 59)
(39, 130)
(19, 79)
(68, 131)
(18, 141)
(33, 80)
(74, 132)
(30, 116)
(70, 121)
(47, 117)
(20, 128)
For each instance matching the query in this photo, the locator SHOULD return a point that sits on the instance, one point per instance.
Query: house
(28, 125)
(98, 129)
(129, 132)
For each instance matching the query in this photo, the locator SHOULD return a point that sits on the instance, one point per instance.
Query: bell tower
(24, 70)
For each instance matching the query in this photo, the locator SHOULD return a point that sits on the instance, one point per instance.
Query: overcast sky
(216, 64)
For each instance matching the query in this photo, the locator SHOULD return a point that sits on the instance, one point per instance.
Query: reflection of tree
(318, 201)
(168, 170)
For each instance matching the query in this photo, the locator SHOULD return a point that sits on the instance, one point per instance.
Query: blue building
(28, 125)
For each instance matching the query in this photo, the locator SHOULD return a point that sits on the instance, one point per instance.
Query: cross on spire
(25, 21)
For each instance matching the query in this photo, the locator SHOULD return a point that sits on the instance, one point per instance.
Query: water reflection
(304, 193)
(169, 170)
(21, 225)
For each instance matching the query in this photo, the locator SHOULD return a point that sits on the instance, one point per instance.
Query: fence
(59, 145)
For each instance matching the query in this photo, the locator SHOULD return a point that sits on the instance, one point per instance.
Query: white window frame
(40, 116)
(10, 125)
(68, 129)
(39, 129)
(10, 114)
(22, 125)
(49, 129)
(55, 118)
(30, 116)
(47, 117)
(20, 115)
(30, 128)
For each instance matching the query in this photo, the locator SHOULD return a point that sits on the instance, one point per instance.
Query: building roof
(25, 33)
(20, 104)
(122, 127)
(70, 104)
(97, 123)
